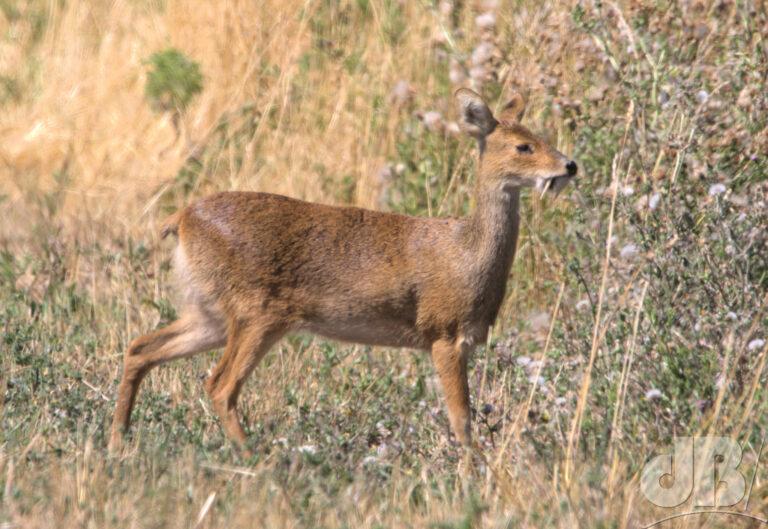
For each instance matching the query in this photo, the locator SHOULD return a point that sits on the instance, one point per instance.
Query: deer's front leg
(450, 358)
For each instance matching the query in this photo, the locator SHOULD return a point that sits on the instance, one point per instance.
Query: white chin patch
(554, 185)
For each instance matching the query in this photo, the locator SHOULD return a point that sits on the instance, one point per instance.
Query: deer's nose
(571, 167)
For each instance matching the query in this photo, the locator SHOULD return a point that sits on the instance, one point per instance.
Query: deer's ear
(475, 117)
(514, 110)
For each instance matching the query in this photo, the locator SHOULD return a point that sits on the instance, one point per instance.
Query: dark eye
(525, 148)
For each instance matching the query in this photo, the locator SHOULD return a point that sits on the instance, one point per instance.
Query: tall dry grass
(85, 111)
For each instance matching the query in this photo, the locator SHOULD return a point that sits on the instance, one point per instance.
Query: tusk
(544, 188)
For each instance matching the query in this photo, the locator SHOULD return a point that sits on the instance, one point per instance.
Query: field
(636, 311)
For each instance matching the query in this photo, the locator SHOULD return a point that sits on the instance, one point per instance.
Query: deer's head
(511, 155)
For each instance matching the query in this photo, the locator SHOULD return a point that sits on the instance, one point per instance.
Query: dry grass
(88, 113)
(299, 98)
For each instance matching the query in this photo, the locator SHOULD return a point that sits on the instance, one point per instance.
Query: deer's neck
(491, 231)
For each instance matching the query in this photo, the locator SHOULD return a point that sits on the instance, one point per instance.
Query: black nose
(572, 168)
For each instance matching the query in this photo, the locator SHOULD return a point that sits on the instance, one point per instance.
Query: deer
(255, 266)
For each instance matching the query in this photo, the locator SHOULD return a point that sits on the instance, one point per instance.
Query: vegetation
(637, 310)
(173, 80)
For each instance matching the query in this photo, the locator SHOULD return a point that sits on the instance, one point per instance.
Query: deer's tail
(171, 225)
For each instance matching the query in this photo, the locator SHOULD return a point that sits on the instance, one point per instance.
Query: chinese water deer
(255, 266)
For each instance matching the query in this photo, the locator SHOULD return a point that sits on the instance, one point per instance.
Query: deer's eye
(525, 148)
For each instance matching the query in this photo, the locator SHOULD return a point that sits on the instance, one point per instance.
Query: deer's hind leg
(247, 344)
(194, 332)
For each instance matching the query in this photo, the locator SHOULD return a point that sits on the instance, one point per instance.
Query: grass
(650, 273)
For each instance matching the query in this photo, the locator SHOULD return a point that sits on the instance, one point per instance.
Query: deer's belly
(385, 332)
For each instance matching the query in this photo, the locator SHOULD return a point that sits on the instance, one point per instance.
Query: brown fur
(255, 266)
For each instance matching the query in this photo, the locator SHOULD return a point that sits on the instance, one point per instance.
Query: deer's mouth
(552, 184)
